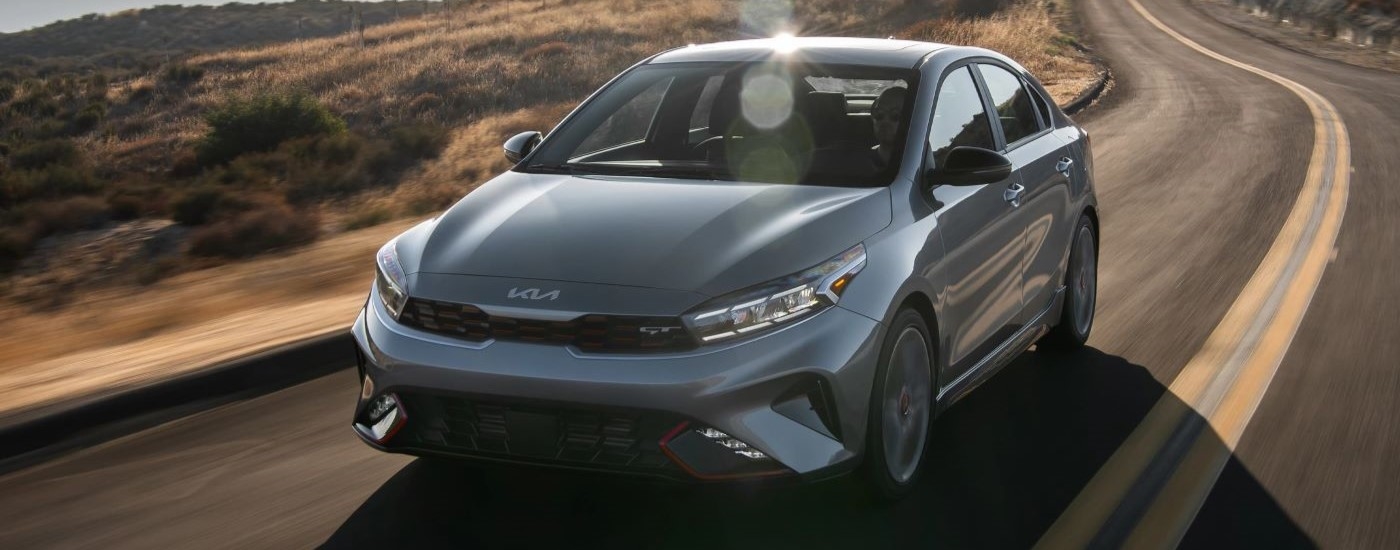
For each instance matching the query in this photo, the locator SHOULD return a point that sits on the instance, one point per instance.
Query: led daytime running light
(798, 296)
(391, 280)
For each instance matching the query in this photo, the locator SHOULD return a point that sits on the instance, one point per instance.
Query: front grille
(594, 333)
(602, 439)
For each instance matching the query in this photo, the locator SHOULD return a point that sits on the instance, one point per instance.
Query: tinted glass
(772, 122)
(1012, 103)
(959, 119)
(628, 123)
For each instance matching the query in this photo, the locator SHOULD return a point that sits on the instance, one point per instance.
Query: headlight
(776, 302)
(390, 279)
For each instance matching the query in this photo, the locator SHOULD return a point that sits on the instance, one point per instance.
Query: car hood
(700, 236)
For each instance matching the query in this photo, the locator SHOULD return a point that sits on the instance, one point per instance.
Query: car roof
(877, 52)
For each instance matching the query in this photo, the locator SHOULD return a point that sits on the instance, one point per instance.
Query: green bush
(262, 123)
(41, 154)
(255, 232)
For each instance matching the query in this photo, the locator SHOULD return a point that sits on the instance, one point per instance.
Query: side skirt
(1008, 351)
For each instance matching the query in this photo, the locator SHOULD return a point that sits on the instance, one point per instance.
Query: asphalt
(1197, 164)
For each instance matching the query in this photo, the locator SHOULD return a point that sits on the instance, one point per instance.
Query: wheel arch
(921, 303)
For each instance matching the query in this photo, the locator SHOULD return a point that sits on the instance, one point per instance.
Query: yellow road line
(1227, 378)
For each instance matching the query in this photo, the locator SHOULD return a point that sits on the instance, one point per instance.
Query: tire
(901, 406)
(1081, 292)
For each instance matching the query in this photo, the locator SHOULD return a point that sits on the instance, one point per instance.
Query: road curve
(1198, 165)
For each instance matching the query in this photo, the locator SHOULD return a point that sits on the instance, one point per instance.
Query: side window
(1012, 102)
(630, 123)
(959, 118)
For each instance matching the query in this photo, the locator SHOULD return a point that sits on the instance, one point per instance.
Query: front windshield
(755, 122)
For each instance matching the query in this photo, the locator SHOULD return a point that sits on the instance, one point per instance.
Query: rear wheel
(1081, 292)
(901, 408)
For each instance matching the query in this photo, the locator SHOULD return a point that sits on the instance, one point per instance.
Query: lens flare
(766, 100)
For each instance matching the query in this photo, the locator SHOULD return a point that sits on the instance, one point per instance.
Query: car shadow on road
(1010, 458)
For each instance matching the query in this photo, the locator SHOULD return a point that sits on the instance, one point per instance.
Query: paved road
(1198, 165)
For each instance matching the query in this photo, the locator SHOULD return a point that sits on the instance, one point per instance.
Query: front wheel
(901, 408)
(1081, 288)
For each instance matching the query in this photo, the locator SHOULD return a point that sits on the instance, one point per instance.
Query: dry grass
(115, 338)
(1026, 32)
(452, 70)
(485, 72)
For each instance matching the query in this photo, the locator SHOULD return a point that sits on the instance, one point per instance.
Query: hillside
(136, 38)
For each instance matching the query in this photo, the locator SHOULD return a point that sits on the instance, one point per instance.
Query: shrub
(7, 92)
(182, 74)
(15, 244)
(97, 86)
(419, 141)
(89, 117)
(262, 123)
(143, 92)
(36, 104)
(254, 232)
(337, 149)
(204, 204)
(134, 200)
(41, 154)
(73, 214)
(63, 181)
(185, 165)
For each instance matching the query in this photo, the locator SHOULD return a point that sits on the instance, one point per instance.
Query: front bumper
(799, 395)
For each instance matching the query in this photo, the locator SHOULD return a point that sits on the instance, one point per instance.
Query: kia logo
(532, 294)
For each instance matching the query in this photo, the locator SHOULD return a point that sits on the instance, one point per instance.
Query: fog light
(707, 453)
(383, 418)
(753, 454)
(740, 448)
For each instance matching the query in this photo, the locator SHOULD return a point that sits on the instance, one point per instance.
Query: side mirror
(517, 147)
(971, 166)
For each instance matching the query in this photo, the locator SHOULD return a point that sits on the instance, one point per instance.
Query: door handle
(1013, 194)
(1063, 166)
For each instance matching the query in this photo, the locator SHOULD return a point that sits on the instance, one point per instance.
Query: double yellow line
(1151, 488)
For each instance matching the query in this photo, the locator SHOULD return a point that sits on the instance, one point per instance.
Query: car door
(982, 237)
(1043, 163)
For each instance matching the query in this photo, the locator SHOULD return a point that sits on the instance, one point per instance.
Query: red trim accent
(676, 459)
(398, 424)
